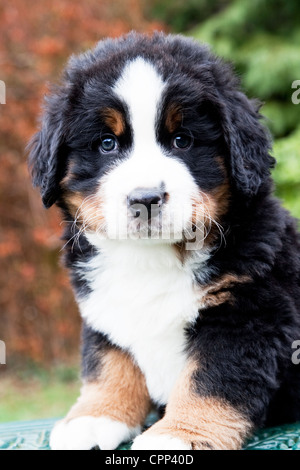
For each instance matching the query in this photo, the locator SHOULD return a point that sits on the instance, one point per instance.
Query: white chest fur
(142, 299)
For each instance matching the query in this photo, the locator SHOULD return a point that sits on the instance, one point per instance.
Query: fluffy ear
(249, 143)
(47, 158)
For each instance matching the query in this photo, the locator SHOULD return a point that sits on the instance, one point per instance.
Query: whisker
(212, 221)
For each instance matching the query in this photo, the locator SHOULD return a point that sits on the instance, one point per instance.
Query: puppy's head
(149, 137)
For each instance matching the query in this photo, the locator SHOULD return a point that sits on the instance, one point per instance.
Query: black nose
(146, 201)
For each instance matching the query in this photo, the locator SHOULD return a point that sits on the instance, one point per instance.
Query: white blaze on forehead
(148, 163)
(141, 87)
(155, 298)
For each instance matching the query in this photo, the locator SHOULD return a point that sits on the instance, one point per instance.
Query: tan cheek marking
(202, 423)
(219, 197)
(73, 201)
(114, 120)
(220, 200)
(87, 211)
(119, 393)
(65, 181)
(174, 118)
(218, 292)
(207, 208)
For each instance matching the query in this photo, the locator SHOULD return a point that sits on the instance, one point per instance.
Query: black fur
(245, 346)
(92, 343)
(72, 109)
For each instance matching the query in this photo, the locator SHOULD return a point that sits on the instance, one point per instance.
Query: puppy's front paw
(86, 432)
(154, 441)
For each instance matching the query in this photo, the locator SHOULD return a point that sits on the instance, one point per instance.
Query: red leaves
(39, 318)
(9, 245)
(48, 46)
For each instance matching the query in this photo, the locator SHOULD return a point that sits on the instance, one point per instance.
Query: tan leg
(110, 409)
(195, 422)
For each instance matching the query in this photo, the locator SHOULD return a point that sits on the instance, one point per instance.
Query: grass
(38, 393)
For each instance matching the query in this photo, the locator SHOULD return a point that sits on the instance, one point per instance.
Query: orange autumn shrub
(38, 316)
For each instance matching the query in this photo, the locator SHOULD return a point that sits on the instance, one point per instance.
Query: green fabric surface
(34, 435)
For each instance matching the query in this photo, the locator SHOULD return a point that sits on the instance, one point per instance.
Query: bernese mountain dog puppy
(185, 267)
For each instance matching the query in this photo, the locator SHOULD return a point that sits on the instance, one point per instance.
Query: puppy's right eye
(108, 143)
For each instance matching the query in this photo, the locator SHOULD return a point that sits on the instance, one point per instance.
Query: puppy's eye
(108, 143)
(182, 141)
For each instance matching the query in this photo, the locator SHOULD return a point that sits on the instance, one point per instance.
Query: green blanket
(34, 435)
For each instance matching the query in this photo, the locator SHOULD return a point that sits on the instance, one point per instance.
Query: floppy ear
(47, 158)
(249, 143)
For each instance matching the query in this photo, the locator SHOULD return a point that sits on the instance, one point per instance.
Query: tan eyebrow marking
(114, 120)
(174, 118)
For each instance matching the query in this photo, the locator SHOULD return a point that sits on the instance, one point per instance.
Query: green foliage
(271, 64)
(281, 116)
(182, 15)
(241, 20)
(287, 171)
(262, 39)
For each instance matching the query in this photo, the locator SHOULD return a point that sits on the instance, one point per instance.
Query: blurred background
(39, 321)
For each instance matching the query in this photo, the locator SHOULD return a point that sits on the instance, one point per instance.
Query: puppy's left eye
(182, 141)
(108, 143)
